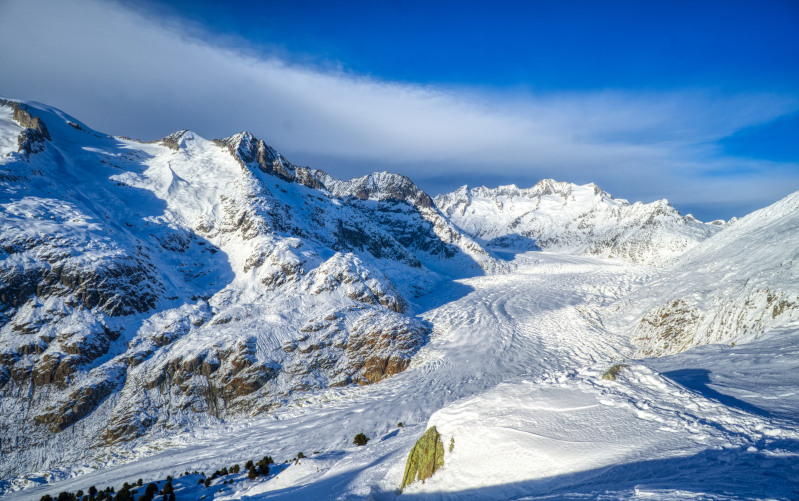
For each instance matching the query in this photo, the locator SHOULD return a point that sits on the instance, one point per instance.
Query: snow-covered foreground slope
(565, 217)
(485, 330)
(513, 375)
(731, 288)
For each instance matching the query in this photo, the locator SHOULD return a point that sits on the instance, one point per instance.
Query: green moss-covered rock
(613, 372)
(425, 458)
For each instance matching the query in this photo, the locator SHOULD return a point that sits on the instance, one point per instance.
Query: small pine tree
(149, 492)
(92, 491)
(360, 439)
(251, 474)
(235, 468)
(300, 455)
(123, 495)
(168, 488)
(249, 465)
(46, 497)
(208, 482)
(400, 425)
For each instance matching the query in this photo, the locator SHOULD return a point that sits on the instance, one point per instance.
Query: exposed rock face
(34, 133)
(381, 186)
(248, 149)
(613, 372)
(172, 141)
(731, 288)
(425, 458)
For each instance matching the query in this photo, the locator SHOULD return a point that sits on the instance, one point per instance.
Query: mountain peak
(174, 140)
(380, 186)
(567, 217)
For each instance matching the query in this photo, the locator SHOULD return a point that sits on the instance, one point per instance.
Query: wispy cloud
(124, 72)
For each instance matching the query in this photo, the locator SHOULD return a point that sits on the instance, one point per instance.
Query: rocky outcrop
(119, 287)
(731, 288)
(381, 186)
(77, 405)
(31, 139)
(425, 458)
(249, 150)
(172, 141)
(613, 372)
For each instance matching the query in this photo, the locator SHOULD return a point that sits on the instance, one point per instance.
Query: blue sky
(697, 102)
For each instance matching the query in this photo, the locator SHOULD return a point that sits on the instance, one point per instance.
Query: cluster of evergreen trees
(259, 468)
(126, 493)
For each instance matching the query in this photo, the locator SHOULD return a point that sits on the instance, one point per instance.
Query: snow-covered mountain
(565, 217)
(149, 287)
(185, 305)
(731, 288)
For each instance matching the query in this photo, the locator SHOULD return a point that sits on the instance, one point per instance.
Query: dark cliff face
(249, 150)
(34, 134)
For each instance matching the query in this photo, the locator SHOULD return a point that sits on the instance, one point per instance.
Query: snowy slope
(153, 287)
(512, 373)
(187, 305)
(565, 217)
(734, 287)
(486, 329)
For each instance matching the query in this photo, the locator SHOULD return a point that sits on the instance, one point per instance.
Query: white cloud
(126, 73)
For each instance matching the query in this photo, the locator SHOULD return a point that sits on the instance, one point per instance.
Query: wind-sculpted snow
(731, 288)
(147, 287)
(565, 217)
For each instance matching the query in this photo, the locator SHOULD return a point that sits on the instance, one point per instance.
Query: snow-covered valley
(513, 374)
(424, 323)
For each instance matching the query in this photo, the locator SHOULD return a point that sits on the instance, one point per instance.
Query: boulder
(425, 458)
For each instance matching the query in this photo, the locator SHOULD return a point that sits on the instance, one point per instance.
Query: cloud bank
(127, 72)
